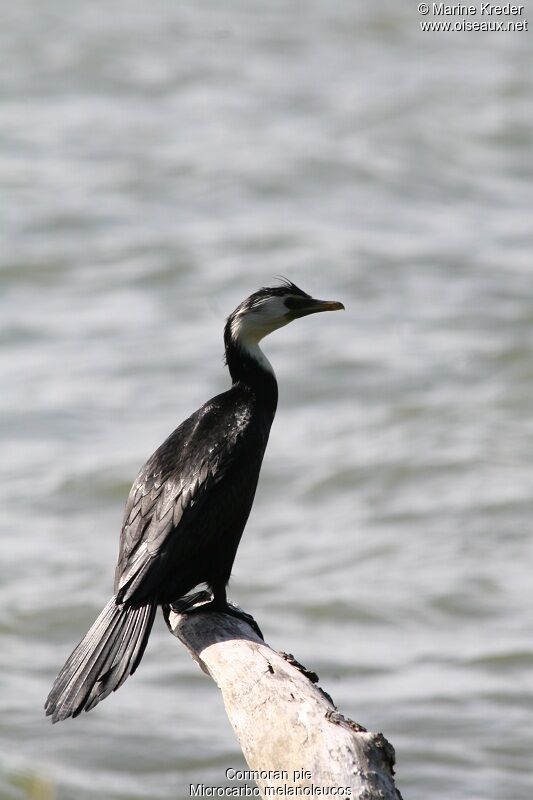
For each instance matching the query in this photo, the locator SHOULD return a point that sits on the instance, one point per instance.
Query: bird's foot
(204, 603)
(187, 603)
(235, 611)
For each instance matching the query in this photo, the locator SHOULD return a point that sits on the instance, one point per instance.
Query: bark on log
(289, 730)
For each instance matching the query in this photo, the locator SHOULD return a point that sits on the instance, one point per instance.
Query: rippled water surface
(160, 161)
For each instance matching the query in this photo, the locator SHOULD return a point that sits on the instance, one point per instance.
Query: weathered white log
(289, 730)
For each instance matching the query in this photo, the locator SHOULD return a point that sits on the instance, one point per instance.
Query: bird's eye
(291, 303)
(296, 303)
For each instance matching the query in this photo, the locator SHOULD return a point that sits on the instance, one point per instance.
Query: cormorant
(188, 506)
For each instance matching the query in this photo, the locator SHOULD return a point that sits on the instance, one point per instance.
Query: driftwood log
(290, 732)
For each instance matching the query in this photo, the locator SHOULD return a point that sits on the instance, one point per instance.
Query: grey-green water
(159, 161)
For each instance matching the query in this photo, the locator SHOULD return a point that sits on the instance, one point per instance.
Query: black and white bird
(188, 506)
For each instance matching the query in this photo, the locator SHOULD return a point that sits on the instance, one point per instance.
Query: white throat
(247, 337)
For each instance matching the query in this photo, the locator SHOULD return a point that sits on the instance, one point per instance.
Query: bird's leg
(186, 603)
(218, 602)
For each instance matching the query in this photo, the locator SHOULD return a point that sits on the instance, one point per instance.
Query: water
(161, 161)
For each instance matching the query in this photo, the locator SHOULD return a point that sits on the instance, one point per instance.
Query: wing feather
(171, 488)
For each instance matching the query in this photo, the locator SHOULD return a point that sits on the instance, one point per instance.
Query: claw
(204, 603)
(235, 611)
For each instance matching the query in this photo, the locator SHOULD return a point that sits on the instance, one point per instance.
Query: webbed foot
(204, 602)
(187, 603)
(235, 611)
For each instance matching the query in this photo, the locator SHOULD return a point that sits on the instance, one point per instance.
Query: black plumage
(187, 508)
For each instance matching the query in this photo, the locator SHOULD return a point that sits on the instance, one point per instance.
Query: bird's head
(263, 312)
(269, 309)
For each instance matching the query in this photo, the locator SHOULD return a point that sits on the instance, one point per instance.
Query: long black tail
(102, 661)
